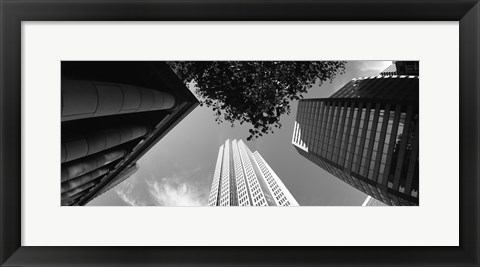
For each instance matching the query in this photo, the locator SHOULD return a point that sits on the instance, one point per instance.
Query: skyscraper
(366, 134)
(112, 113)
(402, 68)
(243, 178)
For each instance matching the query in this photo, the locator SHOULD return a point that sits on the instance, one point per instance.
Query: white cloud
(180, 189)
(172, 192)
(127, 198)
(125, 192)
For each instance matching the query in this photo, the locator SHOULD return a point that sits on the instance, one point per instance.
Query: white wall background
(434, 223)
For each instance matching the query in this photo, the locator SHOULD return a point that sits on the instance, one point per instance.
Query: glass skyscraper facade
(366, 134)
(243, 178)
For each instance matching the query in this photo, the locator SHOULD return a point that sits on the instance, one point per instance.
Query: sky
(178, 170)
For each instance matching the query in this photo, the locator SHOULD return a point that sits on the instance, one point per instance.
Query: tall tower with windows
(366, 134)
(243, 178)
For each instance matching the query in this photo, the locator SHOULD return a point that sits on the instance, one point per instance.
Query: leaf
(256, 92)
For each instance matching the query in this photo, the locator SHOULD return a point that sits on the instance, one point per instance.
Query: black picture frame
(13, 12)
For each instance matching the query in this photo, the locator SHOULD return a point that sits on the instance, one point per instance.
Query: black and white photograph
(240, 133)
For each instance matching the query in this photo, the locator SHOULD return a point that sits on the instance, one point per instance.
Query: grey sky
(178, 171)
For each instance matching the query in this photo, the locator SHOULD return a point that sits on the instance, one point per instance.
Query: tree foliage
(256, 92)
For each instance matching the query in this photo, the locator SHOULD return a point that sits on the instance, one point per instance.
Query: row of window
(363, 164)
(278, 194)
(225, 179)
(365, 187)
(380, 87)
(332, 151)
(216, 178)
(242, 187)
(257, 195)
(359, 184)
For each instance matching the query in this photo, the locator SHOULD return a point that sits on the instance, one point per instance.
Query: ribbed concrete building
(243, 178)
(367, 135)
(111, 114)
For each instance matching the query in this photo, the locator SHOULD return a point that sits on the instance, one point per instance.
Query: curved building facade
(111, 114)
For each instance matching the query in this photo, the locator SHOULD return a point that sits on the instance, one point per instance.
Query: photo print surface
(240, 133)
